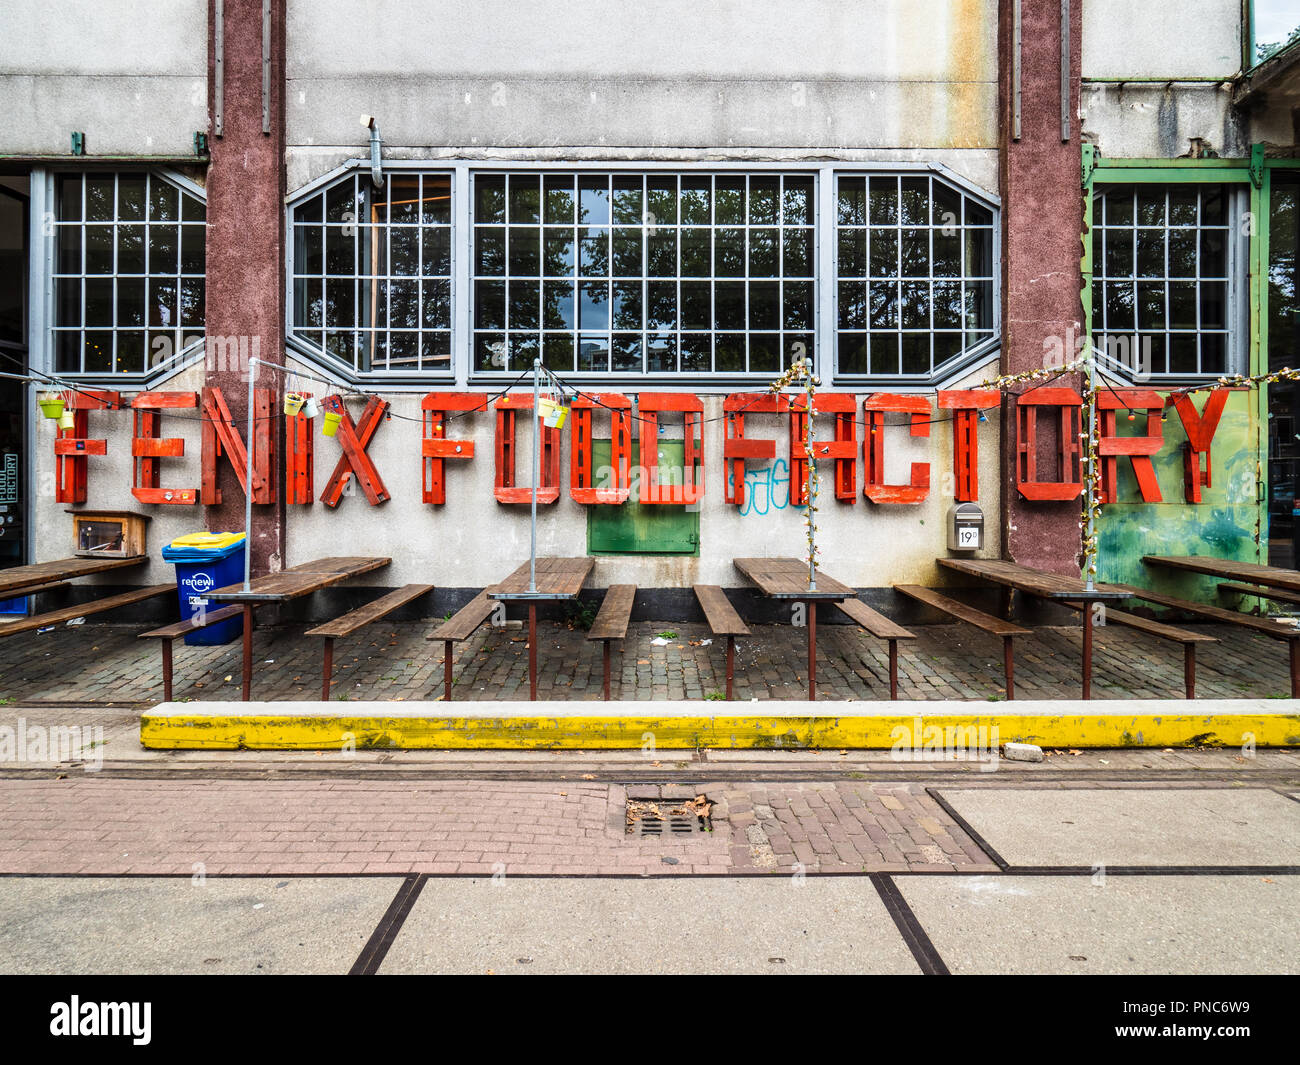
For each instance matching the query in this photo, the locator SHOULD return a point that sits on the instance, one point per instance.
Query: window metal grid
(654, 273)
(372, 272)
(1162, 292)
(914, 275)
(129, 272)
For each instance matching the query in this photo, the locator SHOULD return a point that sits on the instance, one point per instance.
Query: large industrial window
(915, 276)
(372, 273)
(128, 272)
(1163, 291)
(666, 274)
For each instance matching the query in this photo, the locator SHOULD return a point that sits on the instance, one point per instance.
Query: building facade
(405, 206)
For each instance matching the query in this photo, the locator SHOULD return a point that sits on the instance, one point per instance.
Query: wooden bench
(611, 621)
(883, 629)
(168, 633)
(461, 626)
(1276, 595)
(1189, 640)
(81, 610)
(353, 620)
(723, 621)
(1266, 626)
(990, 624)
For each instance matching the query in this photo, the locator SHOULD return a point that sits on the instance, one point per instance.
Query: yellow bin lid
(211, 541)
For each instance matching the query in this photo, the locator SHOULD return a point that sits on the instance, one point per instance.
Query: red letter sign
(1069, 401)
(966, 405)
(844, 449)
(873, 448)
(220, 435)
(71, 446)
(354, 439)
(435, 448)
(737, 447)
(691, 490)
(1139, 449)
(1200, 429)
(581, 485)
(148, 448)
(508, 407)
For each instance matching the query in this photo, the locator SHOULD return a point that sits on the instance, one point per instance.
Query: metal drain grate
(662, 819)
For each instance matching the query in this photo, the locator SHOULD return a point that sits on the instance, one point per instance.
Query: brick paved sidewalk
(97, 663)
(113, 827)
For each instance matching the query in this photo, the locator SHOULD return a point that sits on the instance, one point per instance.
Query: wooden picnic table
(787, 578)
(1012, 575)
(292, 583)
(557, 578)
(18, 580)
(1250, 572)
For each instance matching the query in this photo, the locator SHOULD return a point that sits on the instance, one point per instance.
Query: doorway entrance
(14, 229)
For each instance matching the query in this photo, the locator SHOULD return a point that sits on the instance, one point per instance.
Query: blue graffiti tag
(766, 489)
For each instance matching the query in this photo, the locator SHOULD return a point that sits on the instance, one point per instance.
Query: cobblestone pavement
(96, 663)
(166, 827)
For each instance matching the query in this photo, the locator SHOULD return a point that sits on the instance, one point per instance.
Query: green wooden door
(634, 529)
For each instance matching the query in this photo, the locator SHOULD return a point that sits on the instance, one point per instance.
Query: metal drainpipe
(376, 167)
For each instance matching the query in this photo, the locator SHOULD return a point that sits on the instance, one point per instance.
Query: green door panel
(633, 529)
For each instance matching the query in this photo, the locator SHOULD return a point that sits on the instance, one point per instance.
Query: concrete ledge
(788, 725)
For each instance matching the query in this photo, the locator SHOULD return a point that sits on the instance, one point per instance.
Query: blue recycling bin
(205, 562)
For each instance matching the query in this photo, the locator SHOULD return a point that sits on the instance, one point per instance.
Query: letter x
(354, 439)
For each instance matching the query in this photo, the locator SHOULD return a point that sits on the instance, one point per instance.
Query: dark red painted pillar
(1042, 222)
(245, 243)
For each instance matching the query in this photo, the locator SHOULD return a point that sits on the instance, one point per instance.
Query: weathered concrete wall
(1152, 39)
(523, 73)
(132, 76)
(1159, 39)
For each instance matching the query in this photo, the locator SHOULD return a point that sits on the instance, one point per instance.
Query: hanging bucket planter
(553, 415)
(51, 404)
(331, 425)
(311, 408)
(67, 420)
(293, 402)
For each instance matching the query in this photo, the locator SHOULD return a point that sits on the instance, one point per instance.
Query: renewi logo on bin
(199, 582)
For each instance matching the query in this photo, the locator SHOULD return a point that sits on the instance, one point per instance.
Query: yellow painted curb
(231, 729)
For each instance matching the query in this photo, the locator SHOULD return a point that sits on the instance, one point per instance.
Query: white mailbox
(965, 527)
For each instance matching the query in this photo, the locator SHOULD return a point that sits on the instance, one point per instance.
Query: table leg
(606, 660)
(327, 669)
(731, 664)
(811, 611)
(1009, 665)
(1189, 669)
(1087, 648)
(248, 651)
(1295, 668)
(893, 669)
(446, 670)
(167, 670)
(532, 651)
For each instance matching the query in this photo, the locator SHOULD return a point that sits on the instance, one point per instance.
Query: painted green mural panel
(1225, 524)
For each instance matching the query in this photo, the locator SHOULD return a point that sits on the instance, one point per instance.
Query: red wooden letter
(507, 491)
(844, 449)
(71, 446)
(1200, 429)
(435, 448)
(1069, 401)
(581, 485)
(148, 448)
(354, 439)
(649, 406)
(1138, 449)
(220, 436)
(299, 459)
(737, 447)
(966, 405)
(873, 448)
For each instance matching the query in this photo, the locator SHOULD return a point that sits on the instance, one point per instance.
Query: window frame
(825, 357)
(45, 355)
(1241, 303)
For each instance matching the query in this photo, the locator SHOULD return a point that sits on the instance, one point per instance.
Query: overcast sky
(1275, 19)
